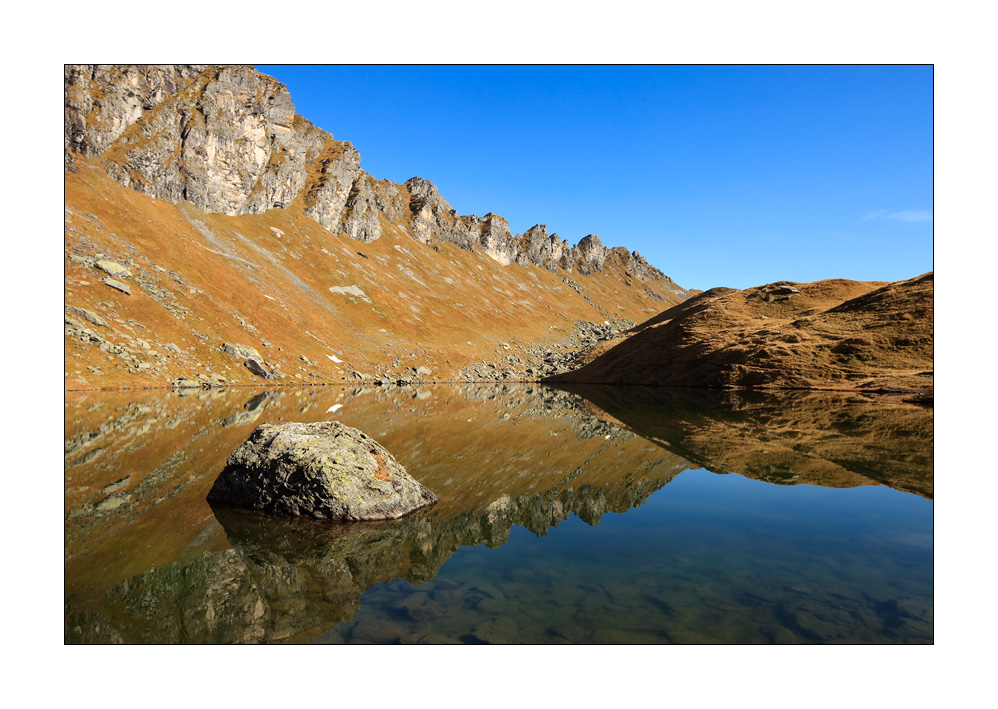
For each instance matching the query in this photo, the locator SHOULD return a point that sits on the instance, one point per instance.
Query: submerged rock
(324, 470)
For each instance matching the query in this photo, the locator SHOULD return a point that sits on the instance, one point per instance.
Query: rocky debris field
(529, 362)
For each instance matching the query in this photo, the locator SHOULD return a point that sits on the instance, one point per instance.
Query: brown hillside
(282, 284)
(215, 237)
(833, 334)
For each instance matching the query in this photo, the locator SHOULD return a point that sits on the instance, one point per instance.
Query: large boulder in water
(324, 470)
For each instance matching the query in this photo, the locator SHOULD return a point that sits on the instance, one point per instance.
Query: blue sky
(720, 176)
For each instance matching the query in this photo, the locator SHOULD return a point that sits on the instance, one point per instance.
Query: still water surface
(602, 515)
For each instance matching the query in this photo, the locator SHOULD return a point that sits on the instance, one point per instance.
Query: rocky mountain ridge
(227, 140)
(213, 237)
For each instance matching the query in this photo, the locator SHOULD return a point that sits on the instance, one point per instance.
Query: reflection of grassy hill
(819, 438)
(833, 334)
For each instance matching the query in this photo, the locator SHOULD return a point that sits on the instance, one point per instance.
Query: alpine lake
(604, 515)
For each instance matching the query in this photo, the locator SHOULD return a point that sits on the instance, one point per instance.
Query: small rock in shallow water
(488, 589)
(568, 631)
(376, 630)
(438, 639)
(413, 600)
(324, 470)
(448, 598)
(503, 631)
(491, 605)
(415, 637)
(424, 613)
(614, 636)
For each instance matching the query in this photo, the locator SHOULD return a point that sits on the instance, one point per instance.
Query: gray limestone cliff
(227, 140)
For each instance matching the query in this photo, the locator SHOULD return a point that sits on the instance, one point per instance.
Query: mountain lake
(604, 515)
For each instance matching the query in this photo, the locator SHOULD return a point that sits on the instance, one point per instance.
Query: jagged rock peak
(226, 139)
(592, 254)
(636, 264)
(425, 192)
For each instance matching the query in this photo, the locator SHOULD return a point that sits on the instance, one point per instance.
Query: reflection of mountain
(291, 579)
(818, 438)
(147, 558)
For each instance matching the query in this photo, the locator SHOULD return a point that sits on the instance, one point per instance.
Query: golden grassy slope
(200, 280)
(833, 334)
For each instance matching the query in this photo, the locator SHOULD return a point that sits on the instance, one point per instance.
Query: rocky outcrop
(87, 315)
(242, 352)
(103, 100)
(327, 192)
(592, 255)
(227, 139)
(324, 470)
(117, 285)
(531, 362)
(635, 264)
(433, 219)
(258, 369)
(495, 239)
(536, 247)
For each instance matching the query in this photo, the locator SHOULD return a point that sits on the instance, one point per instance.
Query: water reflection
(831, 439)
(147, 560)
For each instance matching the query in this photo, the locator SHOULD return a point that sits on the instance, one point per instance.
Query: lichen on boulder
(325, 470)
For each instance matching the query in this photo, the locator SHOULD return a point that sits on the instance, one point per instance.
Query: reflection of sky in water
(708, 558)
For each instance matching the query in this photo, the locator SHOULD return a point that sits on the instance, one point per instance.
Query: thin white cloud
(915, 215)
(911, 215)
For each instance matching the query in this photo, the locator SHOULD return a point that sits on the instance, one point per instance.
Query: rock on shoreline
(324, 470)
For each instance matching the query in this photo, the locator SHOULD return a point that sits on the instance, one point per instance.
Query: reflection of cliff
(289, 580)
(818, 438)
(147, 560)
